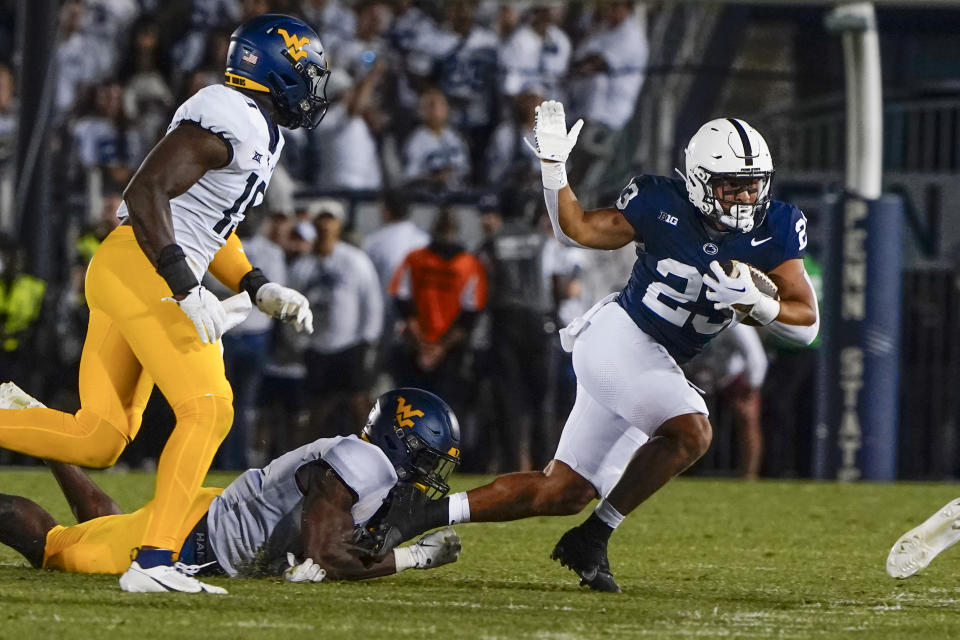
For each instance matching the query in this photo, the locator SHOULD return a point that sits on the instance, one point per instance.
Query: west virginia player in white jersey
(296, 516)
(636, 422)
(150, 320)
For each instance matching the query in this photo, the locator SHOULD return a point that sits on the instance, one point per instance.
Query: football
(761, 279)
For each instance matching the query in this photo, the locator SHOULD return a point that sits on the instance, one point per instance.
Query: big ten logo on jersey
(666, 217)
(406, 413)
(294, 44)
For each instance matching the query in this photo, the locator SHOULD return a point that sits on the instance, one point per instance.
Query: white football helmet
(728, 148)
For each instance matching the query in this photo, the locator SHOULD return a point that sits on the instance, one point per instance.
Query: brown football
(761, 279)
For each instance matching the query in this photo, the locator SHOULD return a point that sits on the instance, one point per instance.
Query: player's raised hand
(553, 142)
(205, 311)
(285, 304)
(306, 571)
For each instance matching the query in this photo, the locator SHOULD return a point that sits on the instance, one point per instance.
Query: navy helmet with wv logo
(420, 435)
(281, 56)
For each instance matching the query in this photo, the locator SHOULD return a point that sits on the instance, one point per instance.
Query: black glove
(402, 516)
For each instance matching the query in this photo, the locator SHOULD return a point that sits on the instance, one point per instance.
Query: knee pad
(213, 413)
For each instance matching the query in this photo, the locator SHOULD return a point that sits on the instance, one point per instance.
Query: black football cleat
(587, 557)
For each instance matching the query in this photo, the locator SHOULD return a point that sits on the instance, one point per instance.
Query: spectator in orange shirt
(439, 291)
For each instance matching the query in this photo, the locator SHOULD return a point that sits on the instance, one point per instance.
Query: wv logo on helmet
(294, 44)
(406, 413)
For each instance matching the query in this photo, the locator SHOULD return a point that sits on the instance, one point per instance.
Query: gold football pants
(135, 339)
(102, 545)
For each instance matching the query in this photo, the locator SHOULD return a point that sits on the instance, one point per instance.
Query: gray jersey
(256, 520)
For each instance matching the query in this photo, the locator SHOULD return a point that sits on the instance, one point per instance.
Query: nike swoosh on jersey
(755, 243)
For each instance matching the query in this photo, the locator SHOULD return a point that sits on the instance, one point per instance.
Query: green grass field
(703, 558)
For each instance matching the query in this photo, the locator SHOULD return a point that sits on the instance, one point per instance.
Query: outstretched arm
(598, 229)
(328, 535)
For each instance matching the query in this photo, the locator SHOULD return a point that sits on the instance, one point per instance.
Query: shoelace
(191, 569)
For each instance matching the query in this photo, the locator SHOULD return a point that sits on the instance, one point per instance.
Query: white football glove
(236, 308)
(725, 291)
(554, 142)
(285, 304)
(431, 551)
(306, 571)
(205, 311)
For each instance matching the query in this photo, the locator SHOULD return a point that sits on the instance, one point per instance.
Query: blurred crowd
(457, 286)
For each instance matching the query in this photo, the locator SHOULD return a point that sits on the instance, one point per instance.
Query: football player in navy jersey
(637, 422)
(151, 320)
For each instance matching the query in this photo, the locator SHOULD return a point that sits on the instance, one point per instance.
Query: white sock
(610, 516)
(459, 508)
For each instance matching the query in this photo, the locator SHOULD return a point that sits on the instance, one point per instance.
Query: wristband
(553, 174)
(765, 310)
(172, 267)
(252, 282)
(403, 559)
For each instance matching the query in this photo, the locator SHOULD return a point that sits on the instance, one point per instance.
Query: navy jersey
(665, 295)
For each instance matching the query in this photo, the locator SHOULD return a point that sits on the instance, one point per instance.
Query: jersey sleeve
(230, 263)
(792, 232)
(366, 470)
(219, 110)
(636, 201)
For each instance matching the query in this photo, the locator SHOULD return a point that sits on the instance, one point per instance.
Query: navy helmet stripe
(747, 150)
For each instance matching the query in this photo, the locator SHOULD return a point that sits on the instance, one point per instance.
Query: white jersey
(208, 211)
(256, 520)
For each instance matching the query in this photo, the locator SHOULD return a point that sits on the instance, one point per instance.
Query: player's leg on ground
(103, 545)
(24, 526)
(87, 501)
(555, 491)
(918, 547)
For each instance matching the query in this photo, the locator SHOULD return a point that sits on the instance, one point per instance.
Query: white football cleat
(918, 547)
(161, 579)
(13, 397)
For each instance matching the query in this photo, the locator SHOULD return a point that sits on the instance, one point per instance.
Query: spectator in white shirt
(612, 63)
(357, 54)
(103, 137)
(344, 141)
(537, 53)
(330, 18)
(509, 162)
(607, 75)
(398, 236)
(246, 348)
(466, 72)
(344, 293)
(387, 247)
(435, 156)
